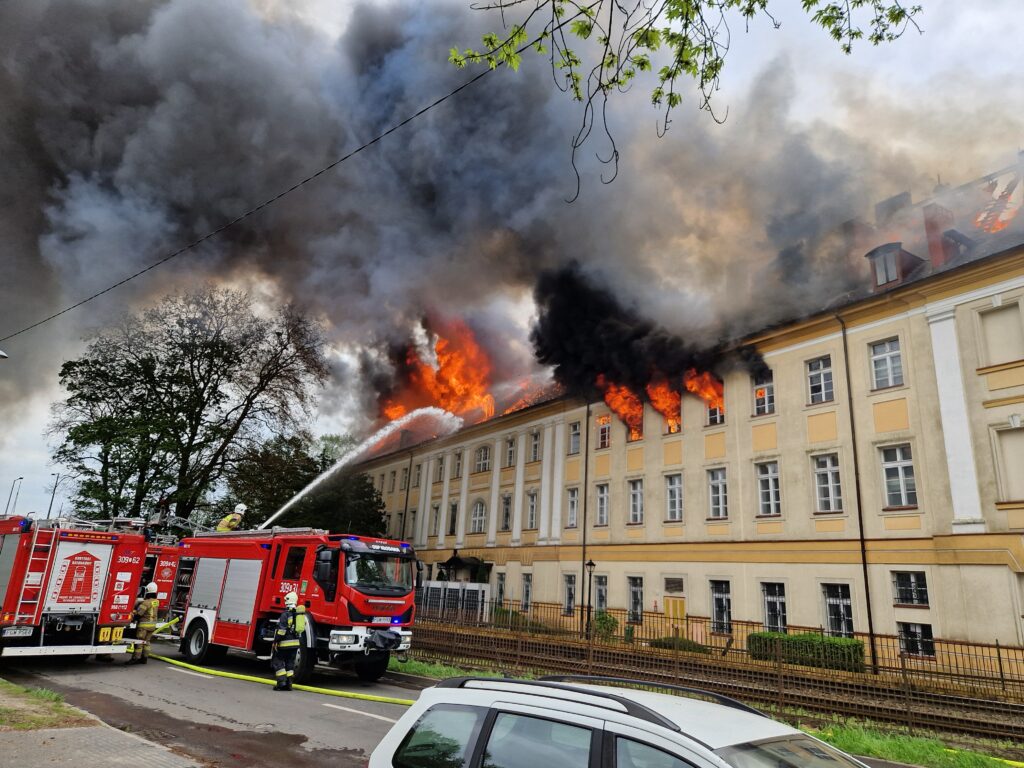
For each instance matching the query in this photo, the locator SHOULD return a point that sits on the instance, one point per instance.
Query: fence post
(1002, 674)
(779, 674)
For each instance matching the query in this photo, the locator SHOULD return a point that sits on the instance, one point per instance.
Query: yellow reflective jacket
(291, 627)
(146, 611)
(229, 522)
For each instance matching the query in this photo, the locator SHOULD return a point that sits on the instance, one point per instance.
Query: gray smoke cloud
(132, 126)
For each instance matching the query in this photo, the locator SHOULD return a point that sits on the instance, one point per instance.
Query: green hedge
(679, 644)
(604, 626)
(809, 650)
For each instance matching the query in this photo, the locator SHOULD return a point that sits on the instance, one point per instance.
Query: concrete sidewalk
(98, 744)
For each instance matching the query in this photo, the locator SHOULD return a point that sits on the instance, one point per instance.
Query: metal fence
(953, 686)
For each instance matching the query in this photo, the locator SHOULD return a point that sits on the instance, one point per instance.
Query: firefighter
(145, 617)
(290, 629)
(232, 521)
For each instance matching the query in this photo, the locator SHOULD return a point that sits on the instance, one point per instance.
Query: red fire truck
(66, 590)
(229, 590)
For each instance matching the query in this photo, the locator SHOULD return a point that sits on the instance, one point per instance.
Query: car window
(633, 754)
(788, 752)
(441, 738)
(521, 741)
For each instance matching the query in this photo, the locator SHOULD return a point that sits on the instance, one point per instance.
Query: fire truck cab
(229, 591)
(64, 589)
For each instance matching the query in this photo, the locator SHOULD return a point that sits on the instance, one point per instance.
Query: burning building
(856, 470)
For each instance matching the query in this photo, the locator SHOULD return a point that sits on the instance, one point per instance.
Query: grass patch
(443, 671)
(27, 709)
(914, 750)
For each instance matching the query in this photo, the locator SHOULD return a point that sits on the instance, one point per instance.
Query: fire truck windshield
(378, 574)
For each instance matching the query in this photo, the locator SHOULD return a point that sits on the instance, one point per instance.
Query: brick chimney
(936, 221)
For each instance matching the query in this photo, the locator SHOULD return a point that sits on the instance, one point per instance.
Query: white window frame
(435, 519)
(917, 587)
(453, 518)
(912, 639)
(820, 384)
(601, 592)
(417, 475)
(482, 461)
(392, 479)
(572, 506)
(774, 606)
(527, 601)
(721, 606)
(506, 512)
(603, 493)
(769, 489)
(510, 452)
(439, 472)
(478, 517)
(764, 405)
(457, 467)
(843, 603)
(715, 416)
(886, 363)
(535, 454)
(568, 594)
(531, 510)
(604, 432)
(636, 501)
(828, 488)
(900, 470)
(499, 587)
(718, 493)
(574, 438)
(674, 497)
(635, 595)
(404, 482)
(886, 270)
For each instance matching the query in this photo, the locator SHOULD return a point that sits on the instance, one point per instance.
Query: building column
(442, 523)
(493, 512)
(558, 484)
(545, 485)
(956, 427)
(517, 498)
(460, 525)
(426, 489)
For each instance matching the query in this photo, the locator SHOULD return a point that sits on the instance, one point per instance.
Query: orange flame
(997, 214)
(459, 383)
(705, 386)
(626, 405)
(667, 402)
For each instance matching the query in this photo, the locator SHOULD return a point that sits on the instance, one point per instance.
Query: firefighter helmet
(291, 599)
(151, 588)
(240, 509)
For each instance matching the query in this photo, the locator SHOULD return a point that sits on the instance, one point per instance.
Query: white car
(567, 722)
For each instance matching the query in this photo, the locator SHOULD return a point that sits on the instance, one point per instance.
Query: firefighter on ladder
(232, 521)
(291, 627)
(145, 617)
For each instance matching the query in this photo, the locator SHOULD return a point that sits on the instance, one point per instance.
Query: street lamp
(12, 490)
(590, 565)
(49, 509)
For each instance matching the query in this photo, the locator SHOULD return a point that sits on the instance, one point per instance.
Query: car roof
(712, 724)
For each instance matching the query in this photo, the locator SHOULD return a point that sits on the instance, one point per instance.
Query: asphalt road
(224, 722)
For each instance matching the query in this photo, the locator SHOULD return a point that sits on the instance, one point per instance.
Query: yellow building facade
(881, 465)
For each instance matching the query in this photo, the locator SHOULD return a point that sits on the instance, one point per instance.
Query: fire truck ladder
(38, 553)
(259, 533)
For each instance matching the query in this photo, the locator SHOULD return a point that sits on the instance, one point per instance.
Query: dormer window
(892, 264)
(885, 268)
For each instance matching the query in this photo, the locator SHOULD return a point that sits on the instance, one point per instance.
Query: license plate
(17, 631)
(381, 619)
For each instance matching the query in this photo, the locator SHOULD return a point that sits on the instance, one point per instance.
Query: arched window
(479, 517)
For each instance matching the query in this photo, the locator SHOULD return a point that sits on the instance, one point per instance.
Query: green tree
(600, 47)
(162, 402)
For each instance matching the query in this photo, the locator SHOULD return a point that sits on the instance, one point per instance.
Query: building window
(718, 493)
(435, 520)
(674, 498)
(1011, 454)
(380, 484)
(635, 433)
(721, 607)
(391, 481)
(405, 479)
(531, 510)
(819, 379)
(885, 267)
(573, 505)
(601, 593)
(636, 501)
(769, 493)
(838, 609)
(887, 364)
(635, 614)
(909, 588)
(774, 595)
(674, 585)
(412, 526)
(439, 474)
(826, 481)
(510, 452)
(716, 415)
(506, 513)
(574, 438)
(604, 431)
(535, 445)
(499, 588)
(478, 518)
(527, 591)
(569, 594)
(457, 469)
(764, 394)
(417, 475)
(1004, 334)
(898, 471)
(453, 517)
(602, 504)
(482, 462)
(916, 639)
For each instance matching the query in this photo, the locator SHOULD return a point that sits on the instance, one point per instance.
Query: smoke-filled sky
(128, 127)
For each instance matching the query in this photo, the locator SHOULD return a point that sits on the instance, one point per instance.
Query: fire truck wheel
(196, 647)
(305, 661)
(372, 668)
